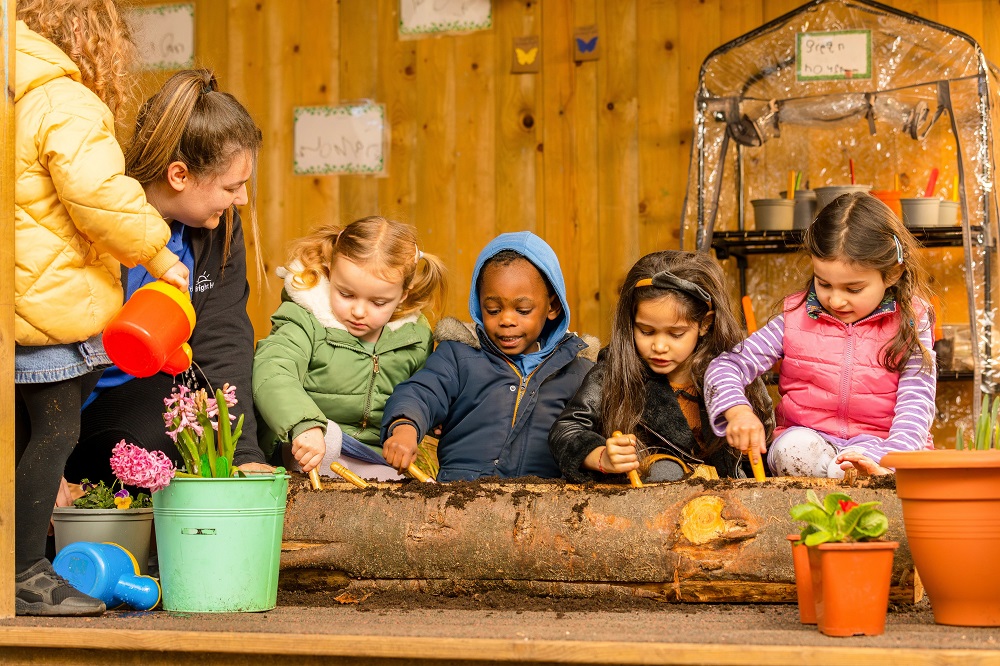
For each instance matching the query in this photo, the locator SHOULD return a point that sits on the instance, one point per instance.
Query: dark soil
(491, 600)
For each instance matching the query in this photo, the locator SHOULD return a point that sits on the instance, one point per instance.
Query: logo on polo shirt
(204, 283)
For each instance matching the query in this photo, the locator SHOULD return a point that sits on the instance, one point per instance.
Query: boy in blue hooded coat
(497, 386)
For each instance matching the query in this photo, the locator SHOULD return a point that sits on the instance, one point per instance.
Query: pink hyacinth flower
(136, 466)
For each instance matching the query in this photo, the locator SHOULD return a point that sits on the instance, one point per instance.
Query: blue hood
(538, 252)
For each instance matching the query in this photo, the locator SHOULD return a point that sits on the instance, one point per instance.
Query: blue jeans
(56, 363)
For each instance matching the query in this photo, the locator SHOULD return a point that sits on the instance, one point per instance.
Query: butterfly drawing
(586, 46)
(526, 57)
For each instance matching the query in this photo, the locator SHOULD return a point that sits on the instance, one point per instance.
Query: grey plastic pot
(129, 528)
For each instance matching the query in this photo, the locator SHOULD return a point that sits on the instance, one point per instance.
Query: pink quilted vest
(831, 379)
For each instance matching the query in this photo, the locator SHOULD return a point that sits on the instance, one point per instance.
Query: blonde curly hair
(95, 36)
(385, 248)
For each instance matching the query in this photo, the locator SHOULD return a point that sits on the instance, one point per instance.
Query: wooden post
(7, 317)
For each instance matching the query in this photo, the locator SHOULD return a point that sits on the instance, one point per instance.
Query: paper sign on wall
(346, 139)
(164, 35)
(845, 54)
(428, 16)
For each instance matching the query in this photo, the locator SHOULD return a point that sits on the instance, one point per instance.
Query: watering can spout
(150, 332)
(138, 592)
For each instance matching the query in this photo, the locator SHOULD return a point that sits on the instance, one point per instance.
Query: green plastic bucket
(218, 542)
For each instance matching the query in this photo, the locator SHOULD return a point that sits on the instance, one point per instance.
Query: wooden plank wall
(591, 156)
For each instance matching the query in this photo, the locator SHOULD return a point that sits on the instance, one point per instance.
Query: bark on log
(689, 540)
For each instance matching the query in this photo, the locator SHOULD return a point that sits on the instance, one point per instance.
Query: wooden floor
(680, 634)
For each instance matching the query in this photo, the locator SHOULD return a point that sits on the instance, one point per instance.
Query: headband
(667, 280)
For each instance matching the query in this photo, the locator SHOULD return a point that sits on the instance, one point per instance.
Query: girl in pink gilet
(857, 376)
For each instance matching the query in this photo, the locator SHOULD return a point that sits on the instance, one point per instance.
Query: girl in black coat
(644, 396)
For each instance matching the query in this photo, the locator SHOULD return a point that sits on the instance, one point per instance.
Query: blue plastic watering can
(108, 572)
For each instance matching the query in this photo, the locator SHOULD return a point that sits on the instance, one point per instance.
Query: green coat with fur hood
(309, 369)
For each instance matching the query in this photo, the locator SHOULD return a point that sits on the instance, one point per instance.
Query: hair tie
(899, 250)
(667, 280)
(417, 254)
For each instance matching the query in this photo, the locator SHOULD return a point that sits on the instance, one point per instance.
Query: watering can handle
(278, 485)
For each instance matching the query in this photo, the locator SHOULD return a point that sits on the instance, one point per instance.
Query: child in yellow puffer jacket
(77, 219)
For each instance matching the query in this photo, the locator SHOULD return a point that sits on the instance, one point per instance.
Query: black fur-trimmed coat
(579, 430)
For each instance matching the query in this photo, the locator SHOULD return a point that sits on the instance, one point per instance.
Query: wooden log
(690, 540)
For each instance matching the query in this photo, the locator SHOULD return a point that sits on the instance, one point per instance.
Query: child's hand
(865, 465)
(308, 449)
(744, 429)
(400, 450)
(177, 276)
(617, 456)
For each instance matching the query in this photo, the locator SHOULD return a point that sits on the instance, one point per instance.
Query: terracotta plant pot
(851, 586)
(803, 581)
(951, 512)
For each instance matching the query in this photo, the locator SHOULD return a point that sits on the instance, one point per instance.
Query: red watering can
(150, 332)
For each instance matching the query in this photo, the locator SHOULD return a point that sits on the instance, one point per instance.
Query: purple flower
(121, 493)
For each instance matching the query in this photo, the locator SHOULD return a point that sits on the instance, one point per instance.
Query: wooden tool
(756, 463)
(348, 475)
(314, 479)
(748, 314)
(418, 474)
(633, 476)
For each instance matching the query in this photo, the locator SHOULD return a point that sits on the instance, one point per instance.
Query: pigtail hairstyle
(191, 122)
(860, 229)
(95, 36)
(624, 395)
(386, 248)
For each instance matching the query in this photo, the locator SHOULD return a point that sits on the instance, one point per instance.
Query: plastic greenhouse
(841, 91)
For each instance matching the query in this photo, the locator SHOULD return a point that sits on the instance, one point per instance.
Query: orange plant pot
(803, 581)
(891, 199)
(951, 513)
(851, 586)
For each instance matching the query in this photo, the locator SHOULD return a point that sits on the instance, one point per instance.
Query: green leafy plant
(986, 436)
(100, 496)
(838, 518)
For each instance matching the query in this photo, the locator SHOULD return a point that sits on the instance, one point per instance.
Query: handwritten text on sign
(834, 55)
(340, 139)
(423, 16)
(164, 35)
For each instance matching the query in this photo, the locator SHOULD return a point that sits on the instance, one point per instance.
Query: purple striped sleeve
(915, 408)
(729, 374)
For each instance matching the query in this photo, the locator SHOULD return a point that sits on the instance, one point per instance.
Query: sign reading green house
(843, 54)
(345, 139)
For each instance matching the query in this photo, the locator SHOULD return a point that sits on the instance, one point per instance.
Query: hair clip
(667, 280)
(899, 250)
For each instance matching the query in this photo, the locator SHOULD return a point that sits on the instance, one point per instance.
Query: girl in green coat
(349, 329)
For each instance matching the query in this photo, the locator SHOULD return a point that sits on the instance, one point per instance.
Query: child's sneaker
(41, 591)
